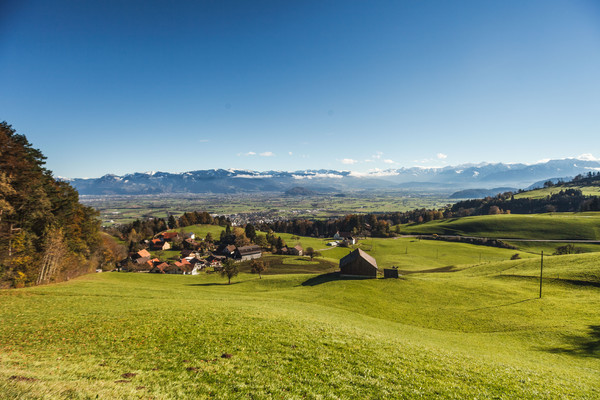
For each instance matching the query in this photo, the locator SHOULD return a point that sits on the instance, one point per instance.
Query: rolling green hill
(581, 226)
(545, 192)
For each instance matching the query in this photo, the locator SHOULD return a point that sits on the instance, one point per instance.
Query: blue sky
(123, 86)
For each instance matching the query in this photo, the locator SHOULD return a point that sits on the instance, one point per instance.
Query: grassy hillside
(545, 192)
(537, 226)
(479, 332)
(414, 254)
(201, 230)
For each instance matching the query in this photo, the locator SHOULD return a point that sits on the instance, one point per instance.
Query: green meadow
(302, 332)
(555, 226)
(545, 192)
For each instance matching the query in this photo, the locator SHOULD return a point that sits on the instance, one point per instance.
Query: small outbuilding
(391, 273)
(296, 250)
(358, 263)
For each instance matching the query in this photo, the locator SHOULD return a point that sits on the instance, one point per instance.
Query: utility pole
(541, 272)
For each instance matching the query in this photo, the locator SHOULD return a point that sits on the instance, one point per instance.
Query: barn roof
(252, 249)
(358, 253)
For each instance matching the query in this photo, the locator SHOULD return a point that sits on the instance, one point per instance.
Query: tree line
(46, 235)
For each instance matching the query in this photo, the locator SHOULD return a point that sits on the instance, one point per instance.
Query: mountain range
(415, 179)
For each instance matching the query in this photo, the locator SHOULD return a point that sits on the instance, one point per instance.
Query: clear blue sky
(124, 86)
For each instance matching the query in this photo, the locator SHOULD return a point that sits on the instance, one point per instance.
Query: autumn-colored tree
(240, 237)
(258, 267)
(230, 269)
(32, 206)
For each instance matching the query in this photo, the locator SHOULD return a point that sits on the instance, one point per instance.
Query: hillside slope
(553, 226)
(479, 332)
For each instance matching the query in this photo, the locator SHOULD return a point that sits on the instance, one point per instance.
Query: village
(200, 255)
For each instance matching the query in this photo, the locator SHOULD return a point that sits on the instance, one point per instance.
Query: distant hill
(540, 184)
(446, 180)
(480, 193)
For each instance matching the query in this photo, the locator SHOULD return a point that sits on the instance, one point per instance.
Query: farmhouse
(358, 263)
(296, 250)
(186, 253)
(190, 235)
(197, 265)
(347, 236)
(159, 244)
(248, 252)
(159, 268)
(229, 250)
(215, 261)
(141, 254)
(142, 260)
(168, 236)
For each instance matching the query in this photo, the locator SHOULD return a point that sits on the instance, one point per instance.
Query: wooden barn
(358, 263)
(245, 253)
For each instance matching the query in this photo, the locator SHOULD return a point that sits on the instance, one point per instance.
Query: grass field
(580, 226)
(480, 332)
(545, 192)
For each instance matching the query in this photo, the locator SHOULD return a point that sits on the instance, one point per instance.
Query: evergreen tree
(250, 232)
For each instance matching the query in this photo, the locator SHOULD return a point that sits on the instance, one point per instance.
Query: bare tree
(55, 250)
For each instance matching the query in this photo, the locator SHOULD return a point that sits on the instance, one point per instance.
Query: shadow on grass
(575, 282)
(504, 305)
(332, 276)
(581, 345)
(213, 284)
(449, 268)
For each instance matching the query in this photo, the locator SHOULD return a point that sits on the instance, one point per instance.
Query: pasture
(478, 332)
(545, 192)
(580, 226)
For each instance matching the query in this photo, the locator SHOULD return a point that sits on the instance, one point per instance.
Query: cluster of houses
(163, 240)
(191, 260)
